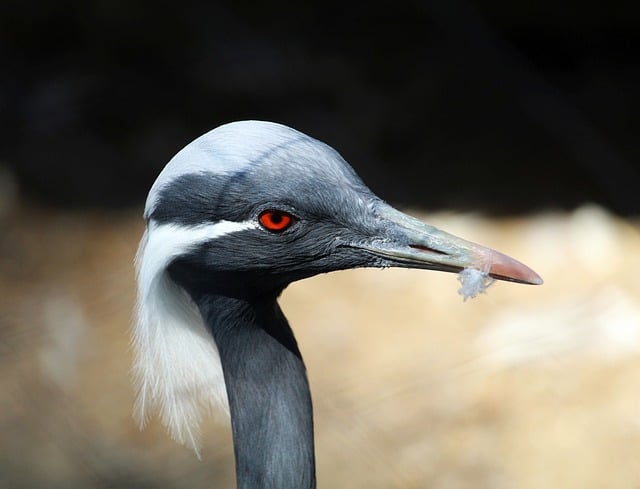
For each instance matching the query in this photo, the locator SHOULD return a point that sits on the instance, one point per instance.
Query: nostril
(426, 248)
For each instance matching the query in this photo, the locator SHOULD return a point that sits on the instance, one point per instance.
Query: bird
(234, 218)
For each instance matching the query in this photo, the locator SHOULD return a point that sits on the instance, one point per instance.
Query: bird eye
(275, 221)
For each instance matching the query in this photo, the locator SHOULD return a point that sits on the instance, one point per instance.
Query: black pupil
(276, 218)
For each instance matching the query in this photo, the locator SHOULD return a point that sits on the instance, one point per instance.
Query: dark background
(501, 106)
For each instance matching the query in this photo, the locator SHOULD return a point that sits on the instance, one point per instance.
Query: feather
(177, 369)
(473, 282)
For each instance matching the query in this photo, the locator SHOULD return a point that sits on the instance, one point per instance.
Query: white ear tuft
(177, 368)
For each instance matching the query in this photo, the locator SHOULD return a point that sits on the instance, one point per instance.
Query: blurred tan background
(524, 387)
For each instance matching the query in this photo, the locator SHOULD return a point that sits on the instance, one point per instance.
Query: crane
(233, 218)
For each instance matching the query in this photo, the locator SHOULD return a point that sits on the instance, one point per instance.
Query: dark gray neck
(269, 399)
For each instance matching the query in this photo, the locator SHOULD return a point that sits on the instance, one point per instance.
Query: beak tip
(505, 267)
(537, 280)
(530, 277)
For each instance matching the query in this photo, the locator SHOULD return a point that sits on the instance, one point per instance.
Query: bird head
(243, 211)
(260, 205)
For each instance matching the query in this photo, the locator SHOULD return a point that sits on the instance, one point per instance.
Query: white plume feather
(177, 368)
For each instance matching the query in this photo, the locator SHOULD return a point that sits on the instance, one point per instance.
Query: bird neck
(269, 398)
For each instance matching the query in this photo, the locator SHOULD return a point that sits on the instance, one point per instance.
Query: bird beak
(411, 243)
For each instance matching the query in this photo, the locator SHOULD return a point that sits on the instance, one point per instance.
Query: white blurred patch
(66, 340)
(603, 323)
(594, 234)
(587, 236)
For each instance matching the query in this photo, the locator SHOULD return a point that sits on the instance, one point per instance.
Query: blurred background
(511, 124)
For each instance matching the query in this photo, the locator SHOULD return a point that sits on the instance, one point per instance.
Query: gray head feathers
(232, 148)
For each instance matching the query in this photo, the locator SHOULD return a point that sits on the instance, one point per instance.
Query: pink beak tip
(505, 267)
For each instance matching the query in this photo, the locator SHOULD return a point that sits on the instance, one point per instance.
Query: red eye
(275, 220)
